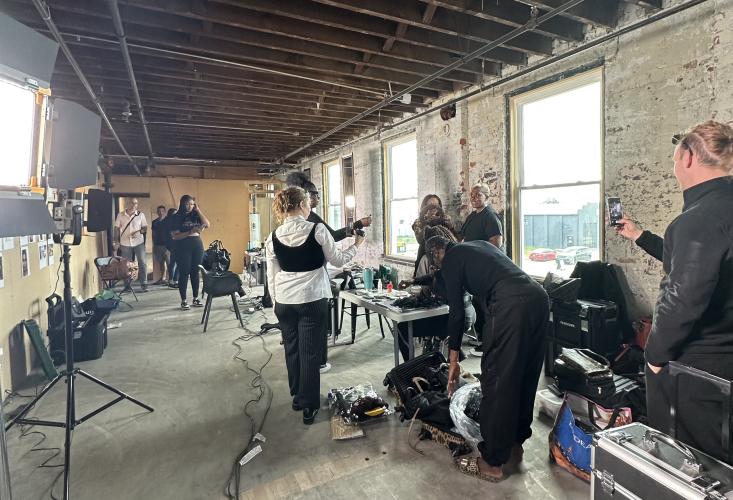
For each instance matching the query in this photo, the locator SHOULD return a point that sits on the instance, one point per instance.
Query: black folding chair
(206, 278)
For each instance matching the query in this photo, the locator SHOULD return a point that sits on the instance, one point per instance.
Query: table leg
(410, 341)
(395, 333)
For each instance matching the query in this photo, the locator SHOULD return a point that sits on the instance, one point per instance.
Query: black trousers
(189, 255)
(516, 323)
(428, 327)
(304, 331)
(699, 416)
(479, 305)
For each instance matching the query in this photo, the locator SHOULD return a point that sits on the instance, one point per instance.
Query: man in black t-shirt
(161, 255)
(481, 225)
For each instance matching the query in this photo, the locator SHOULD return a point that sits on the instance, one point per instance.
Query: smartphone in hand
(615, 210)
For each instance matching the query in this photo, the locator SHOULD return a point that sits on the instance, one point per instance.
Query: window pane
(560, 137)
(16, 134)
(334, 184)
(402, 214)
(559, 228)
(403, 170)
(334, 216)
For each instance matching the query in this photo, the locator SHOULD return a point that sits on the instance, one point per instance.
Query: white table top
(386, 309)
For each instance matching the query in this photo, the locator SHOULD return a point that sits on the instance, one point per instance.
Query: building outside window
(556, 172)
(332, 201)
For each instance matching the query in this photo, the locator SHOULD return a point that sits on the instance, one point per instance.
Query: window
(16, 133)
(401, 203)
(332, 200)
(557, 164)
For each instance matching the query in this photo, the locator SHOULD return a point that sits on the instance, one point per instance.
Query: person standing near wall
(161, 255)
(170, 244)
(186, 231)
(297, 253)
(481, 224)
(129, 236)
(693, 317)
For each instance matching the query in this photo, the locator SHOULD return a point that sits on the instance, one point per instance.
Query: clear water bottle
(379, 285)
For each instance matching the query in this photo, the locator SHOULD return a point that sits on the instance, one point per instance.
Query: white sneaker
(476, 351)
(325, 368)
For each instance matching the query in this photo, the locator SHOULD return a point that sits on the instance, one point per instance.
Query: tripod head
(68, 215)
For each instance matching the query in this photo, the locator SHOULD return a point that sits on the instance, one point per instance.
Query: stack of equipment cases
(588, 324)
(637, 462)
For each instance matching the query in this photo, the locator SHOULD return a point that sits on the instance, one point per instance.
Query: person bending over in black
(517, 312)
(186, 231)
(693, 317)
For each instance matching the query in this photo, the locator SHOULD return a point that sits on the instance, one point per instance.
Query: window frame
(387, 191)
(544, 89)
(326, 191)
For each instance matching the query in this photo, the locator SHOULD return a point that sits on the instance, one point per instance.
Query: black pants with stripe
(514, 331)
(304, 334)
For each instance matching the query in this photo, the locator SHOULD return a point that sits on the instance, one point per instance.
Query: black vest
(306, 257)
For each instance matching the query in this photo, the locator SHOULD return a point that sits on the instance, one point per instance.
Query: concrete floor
(185, 449)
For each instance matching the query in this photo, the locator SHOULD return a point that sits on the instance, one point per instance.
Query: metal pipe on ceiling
(223, 62)
(529, 26)
(45, 14)
(224, 127)
(122, 40)
(541, 64)
(170, 160)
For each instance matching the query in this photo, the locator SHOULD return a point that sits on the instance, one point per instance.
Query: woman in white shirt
(297, 253)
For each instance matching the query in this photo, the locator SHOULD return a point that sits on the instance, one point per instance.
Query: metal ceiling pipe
(224, 127)
(529, 26)
(170, 160)
(45, 13)
(541, 64)
(122, 39)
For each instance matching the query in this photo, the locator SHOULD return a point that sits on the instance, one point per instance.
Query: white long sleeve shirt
(309, 286)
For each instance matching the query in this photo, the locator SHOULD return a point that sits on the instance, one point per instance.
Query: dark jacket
(338, 234)
(694, 312)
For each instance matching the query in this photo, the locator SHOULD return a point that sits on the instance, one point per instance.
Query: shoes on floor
(144, 289)
(296, 405)
(476, 351)
(325, 367)
(185, 306)
(197, 303)
(173, 284)
(309, 415)
(160, 282)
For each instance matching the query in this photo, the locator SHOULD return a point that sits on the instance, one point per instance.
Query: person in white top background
(129, 237)
(297, 253)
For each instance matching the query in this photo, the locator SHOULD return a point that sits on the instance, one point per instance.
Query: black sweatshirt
(651, 244)
(476, 267)
(338, 235)
(694, 312)
(481, 225)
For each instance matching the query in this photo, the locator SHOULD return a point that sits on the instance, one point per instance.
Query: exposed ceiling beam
(596, 12)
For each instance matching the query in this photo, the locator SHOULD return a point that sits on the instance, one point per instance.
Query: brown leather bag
(119, 268)
(642, 329)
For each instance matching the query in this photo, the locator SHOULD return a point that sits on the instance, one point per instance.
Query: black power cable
(258, 382)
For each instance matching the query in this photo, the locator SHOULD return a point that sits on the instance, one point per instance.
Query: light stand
(68, 375)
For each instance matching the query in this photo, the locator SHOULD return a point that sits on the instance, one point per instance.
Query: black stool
(220, 285)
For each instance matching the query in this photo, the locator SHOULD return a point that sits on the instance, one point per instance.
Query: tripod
(69, 375)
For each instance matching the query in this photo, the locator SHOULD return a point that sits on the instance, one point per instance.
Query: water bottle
(368, 278)
(379, 285)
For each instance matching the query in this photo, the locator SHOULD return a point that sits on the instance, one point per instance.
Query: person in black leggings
(186, 231)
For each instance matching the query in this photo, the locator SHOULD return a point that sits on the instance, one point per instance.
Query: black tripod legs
(19, 419)
(122, 396)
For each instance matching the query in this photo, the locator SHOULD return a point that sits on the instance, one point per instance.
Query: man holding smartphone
(130, 228)
(693, 317)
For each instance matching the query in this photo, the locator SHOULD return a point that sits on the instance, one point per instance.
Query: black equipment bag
(584, 372)
(402, 380)
(590, 324)
(89, 320)
(635, 461)
(216, 258)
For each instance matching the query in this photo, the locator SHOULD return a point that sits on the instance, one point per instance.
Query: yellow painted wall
(225, 203)
(24, 298)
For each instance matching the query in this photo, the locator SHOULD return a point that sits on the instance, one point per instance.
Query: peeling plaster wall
(658, 81)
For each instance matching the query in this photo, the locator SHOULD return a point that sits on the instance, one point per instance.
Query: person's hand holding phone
(628, 229)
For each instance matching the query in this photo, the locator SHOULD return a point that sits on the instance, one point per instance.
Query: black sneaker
(185, 306)
(197, 303)
(309, 415)
(296, 405)
(144, 289)
(173, 284)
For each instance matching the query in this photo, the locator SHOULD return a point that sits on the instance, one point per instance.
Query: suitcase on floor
(637, 462)
(400, 380)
